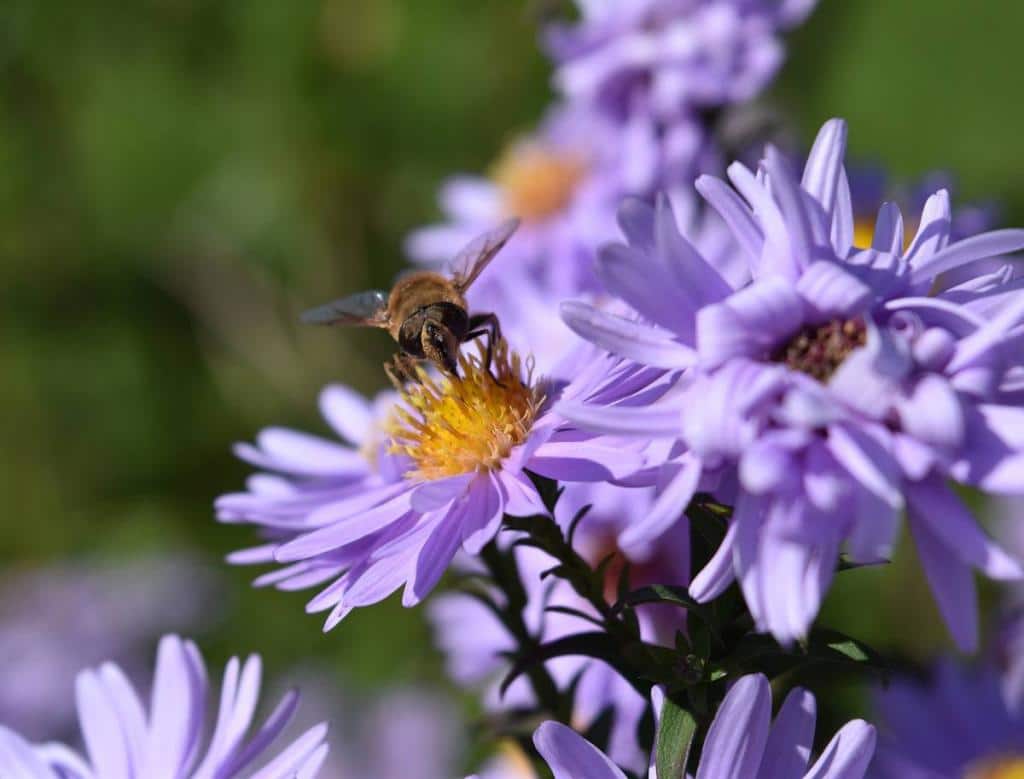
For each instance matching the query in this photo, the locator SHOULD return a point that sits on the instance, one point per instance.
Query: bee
(426, 312)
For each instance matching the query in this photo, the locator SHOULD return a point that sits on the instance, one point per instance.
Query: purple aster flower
(57, 618)
(564, 183)
(670, 56)
(473, 638)
(742, 743)
(833, 389)
(457, 457)
(123, 739)
(364, 728)
(961, 722)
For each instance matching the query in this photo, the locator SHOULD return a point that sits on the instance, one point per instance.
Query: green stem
(504, 571)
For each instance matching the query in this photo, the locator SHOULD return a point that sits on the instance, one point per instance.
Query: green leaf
(663, 593)
(547, 489)
(845, 564)
(576, 613)
(675, 596)
(676, 730)
(580, 515)
(833, 646)
(594, 644)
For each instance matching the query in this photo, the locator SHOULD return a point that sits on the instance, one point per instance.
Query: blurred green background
(179, 177)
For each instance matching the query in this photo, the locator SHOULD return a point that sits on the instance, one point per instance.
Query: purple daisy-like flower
(458, 453)
(425, 720)
(564, 182)
(834, 388)
(742, 743)
(124, 739)
(59, 617)
(961, 722)
(672, 57)
(474, 640)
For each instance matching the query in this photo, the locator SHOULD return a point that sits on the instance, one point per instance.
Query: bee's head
(440, 346)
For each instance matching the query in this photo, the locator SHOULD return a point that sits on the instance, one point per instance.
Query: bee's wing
(470, 262)
(363, 308)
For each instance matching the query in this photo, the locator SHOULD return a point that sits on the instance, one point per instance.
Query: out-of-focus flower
(564, 182)
(58, 618)
(364, 728)
(871, 185)
(960, 723)
(672, 57)
(459, 451)
(123, 739)
(835, 388)
(474, 639)
(742, 742)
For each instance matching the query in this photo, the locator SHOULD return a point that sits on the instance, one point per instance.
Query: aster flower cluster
(709, 395)
(752, 376)
(835, 387)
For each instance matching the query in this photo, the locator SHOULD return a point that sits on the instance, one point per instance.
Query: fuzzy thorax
(449, 426)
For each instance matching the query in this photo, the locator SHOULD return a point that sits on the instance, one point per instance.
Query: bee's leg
(485, 324)
(401, 369)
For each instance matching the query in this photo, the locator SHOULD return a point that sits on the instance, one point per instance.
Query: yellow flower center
(864, 233)
(450, 426)
(1000, 768)
(537, 183)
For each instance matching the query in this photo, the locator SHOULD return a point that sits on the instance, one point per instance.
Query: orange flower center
(537, 183)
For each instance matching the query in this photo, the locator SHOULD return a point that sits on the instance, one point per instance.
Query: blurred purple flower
(59, 618)
(960, 723)
(458, 455)
(123, 740)
(672, 57)
(742, 743)
(364, 729)
(871, 185)
(835, 388)
(564, 182)
(473, 638)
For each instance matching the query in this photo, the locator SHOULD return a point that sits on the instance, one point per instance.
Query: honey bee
(425, 312)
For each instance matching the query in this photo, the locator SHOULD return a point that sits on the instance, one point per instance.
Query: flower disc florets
(537, 183)
(471, 423)
(819, 351)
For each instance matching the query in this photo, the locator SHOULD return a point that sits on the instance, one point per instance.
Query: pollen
(449, 426)
(819, 351)
(536, 182)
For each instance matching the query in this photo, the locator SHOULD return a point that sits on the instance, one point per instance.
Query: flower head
(169, 740)
(672, 56)
(742, 742)
(564, 181)
(457, 458)
(960, 721)
(831, 389)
